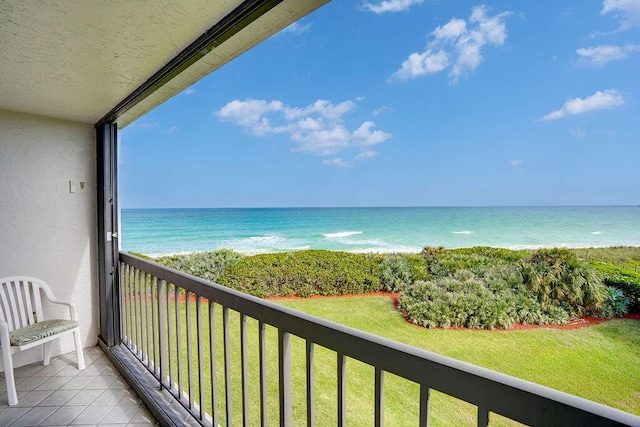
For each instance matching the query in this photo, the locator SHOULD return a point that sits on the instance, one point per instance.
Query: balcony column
(108, 250)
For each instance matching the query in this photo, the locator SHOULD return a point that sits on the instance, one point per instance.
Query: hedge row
(304, 273)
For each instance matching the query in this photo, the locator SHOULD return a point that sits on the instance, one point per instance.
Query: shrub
(473, 302)
(558, 275)
(495, 288)
(304, 273)
(616, 304)
(626, 280)
(417, 266)
(395, 273)
(207, 265)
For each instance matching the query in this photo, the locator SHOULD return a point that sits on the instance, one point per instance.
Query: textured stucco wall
(45, 231)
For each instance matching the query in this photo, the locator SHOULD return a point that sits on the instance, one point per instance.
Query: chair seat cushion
(40, 330)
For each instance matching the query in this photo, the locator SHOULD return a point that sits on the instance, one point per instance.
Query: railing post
(262, 341)
(178, 341)
(483, 417)
(425, 393)
(311, 385)
(284, 360)
(379, 396)
(212, 361)
(162, 325)
(244, 370)
(189, 349)
(201, 386)
(154, 325)
(342, 388)
(226, 337)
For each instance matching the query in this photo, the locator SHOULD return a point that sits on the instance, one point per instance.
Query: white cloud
(342, 163)
(297, 29)
(189, 91)
(364, 136)
(317, 128)
(391, 6)
(172, 129)
(382, 110)
(515, 162)
(600, 55)
(457, 44)
(419, 64)
(339, 162)
(598, 101)
(628, 11)
(368, 154)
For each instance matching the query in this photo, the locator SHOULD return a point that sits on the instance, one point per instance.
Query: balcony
(157, 327)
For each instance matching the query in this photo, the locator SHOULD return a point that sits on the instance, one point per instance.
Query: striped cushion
(39, 330)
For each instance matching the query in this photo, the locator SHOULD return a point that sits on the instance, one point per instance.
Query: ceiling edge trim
(227, 27)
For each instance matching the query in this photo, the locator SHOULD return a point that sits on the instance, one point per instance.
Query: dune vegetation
(476, 287)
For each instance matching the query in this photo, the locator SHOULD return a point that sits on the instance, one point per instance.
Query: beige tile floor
(60, 395)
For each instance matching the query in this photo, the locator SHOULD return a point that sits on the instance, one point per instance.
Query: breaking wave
(340, 234)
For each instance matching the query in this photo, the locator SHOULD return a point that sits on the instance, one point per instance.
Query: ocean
(385, 230)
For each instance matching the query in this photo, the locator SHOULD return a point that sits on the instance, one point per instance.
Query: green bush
(468, 301)
(207, 265)
(418, 267)
(498, 254)
(557, 275)
(444, 263)
(395, 273)
(624, 279)
(304, 273)
(617, 303)
(495, 288)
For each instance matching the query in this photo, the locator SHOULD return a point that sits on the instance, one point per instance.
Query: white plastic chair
(23, 325)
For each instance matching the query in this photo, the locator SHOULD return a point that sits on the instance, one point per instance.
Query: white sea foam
(462, 232)
(595, 232)
(390, 249)
(267, 238)
(341, 234)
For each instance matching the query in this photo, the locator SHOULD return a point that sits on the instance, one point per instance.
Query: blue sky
(407, 103)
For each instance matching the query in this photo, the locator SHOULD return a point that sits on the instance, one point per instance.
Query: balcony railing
(172, 323)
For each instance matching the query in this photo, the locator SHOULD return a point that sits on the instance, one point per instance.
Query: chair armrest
(72, 307)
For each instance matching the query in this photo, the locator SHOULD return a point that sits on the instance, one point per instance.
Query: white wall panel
(45, 230)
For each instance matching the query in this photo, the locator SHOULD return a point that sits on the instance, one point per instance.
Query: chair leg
(46, 353)
(79, 353)
(12, 396)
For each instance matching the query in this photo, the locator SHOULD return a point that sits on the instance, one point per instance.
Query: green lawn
(600, 363)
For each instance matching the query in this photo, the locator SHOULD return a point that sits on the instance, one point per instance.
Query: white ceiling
(77, 59)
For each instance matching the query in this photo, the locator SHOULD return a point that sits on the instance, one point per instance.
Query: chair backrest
(20, 303)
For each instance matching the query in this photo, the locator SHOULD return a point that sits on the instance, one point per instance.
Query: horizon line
(386, 207)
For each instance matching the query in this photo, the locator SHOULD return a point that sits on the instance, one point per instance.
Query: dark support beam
(108, 274)
(227, 27)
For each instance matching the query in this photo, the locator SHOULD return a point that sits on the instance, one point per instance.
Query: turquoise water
(384, 230)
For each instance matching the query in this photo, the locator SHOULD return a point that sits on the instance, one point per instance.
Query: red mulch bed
(580, 322)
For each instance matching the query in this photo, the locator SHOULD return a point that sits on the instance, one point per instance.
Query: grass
(600, 363)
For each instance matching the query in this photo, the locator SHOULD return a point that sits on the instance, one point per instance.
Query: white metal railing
(157, 323)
